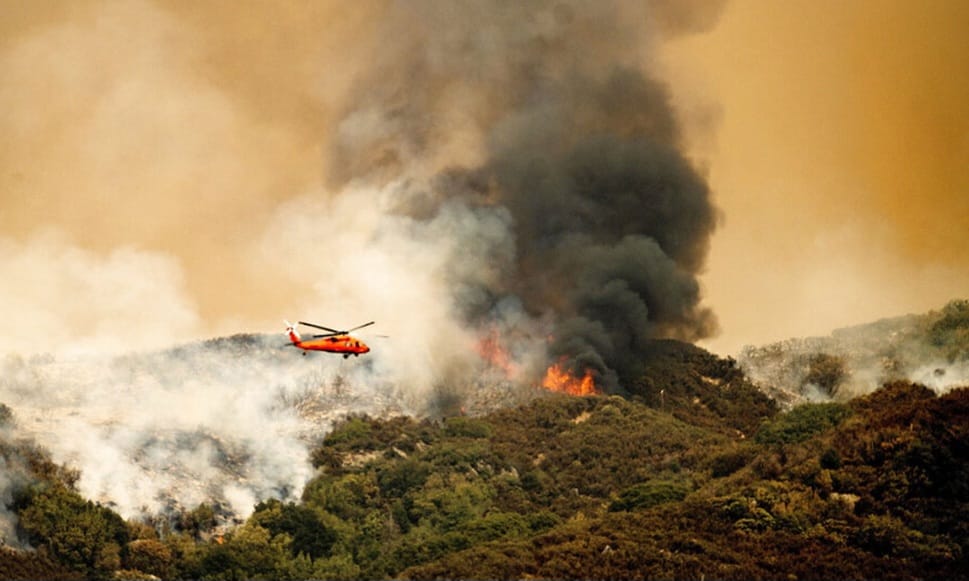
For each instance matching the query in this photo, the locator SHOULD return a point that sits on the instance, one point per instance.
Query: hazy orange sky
(836, 134)
(150, 143)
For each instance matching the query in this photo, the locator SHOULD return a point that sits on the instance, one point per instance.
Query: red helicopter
(332, 341)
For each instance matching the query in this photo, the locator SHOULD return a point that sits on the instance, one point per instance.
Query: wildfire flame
(492, 350)
(557, 378)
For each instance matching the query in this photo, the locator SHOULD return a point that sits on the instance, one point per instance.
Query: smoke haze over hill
(509, 166)
(506, 172)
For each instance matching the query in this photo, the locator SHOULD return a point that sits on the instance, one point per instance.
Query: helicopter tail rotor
(292, 332)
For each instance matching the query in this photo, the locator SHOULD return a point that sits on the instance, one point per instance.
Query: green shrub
(149, 556)
(497, 525)
(199, 520)
(463, 427)
(354, 433)
(348, 496)
(308, 533)
(950, 331)
(398, 478)
(542, 520)
(802, 423)
(247, 553)
(731, 461)
(649, 494)
(827, 372)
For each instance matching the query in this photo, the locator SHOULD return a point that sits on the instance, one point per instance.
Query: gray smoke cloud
(546, 113)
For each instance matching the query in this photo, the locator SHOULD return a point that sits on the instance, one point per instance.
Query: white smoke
(60, 297)
(416, 278)
(232, 421)
(854, 361)
(941, 375)
(228, 422)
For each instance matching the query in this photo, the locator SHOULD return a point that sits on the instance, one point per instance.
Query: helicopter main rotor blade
(334, 331)
(360, 327)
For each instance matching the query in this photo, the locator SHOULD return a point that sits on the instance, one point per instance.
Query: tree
(80, 534)
(248, 553)
(827, 372)
(199, 520)
(149, 556)
(950, 331)
(308, 533)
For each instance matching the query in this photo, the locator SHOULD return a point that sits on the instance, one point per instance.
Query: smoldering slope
(155, 429)
(156, 433)
(157, 424)
(855, 361)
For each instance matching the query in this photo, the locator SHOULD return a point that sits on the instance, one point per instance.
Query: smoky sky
(574, 137)
(179, 133)
(836, 142)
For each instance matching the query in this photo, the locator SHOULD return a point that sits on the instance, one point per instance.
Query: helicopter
(332, 341)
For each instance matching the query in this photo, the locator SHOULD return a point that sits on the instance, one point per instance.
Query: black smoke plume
(547, 113)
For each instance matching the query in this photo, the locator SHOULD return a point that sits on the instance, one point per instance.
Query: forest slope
(692, 474)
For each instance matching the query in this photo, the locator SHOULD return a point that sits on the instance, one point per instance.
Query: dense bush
(83, 536)
(308, 534)
(827, 372)
(150, 556)
(649, 494)
(731, 460)
(802, 423)
(34, 565)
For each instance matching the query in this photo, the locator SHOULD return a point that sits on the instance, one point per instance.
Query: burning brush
(559, 378)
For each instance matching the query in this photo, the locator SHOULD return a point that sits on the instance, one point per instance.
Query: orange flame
(557, 378)
(491, 349)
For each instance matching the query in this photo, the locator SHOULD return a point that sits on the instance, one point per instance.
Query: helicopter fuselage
(336, 344)
(333, 342)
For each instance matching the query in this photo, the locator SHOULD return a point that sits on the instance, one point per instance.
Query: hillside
(564, 487)
(227, 421)
(691, 472)
(603, 487)
(874, 489)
